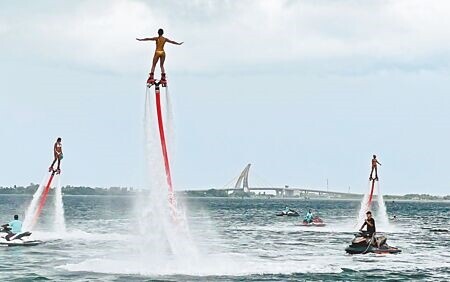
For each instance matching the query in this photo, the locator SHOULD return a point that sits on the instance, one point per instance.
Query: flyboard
(162, 137)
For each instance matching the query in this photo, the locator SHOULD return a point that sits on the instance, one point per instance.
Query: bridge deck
(282, 189)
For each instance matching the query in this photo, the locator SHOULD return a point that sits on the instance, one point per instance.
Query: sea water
(237, 240)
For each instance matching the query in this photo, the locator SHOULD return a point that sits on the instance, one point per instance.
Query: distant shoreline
(248, 198)
(211, 193)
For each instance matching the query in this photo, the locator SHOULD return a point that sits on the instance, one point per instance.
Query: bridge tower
(243, 179)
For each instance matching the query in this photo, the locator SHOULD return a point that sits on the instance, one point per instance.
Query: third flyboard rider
(160, 55)
(374, 167)
(58, 155)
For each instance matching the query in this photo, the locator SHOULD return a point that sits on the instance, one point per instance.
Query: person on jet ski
(370, 223)
(309, 217)
(286, 210)
(13, 227)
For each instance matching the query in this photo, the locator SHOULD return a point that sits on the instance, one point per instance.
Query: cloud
(91, 34)
(228, 35)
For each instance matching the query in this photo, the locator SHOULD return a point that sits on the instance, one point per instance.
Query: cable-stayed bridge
(242, 185)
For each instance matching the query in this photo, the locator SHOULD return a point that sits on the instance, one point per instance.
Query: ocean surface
(229, 240)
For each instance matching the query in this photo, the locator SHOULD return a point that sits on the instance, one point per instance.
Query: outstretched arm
(173, 42)
(378, 162)
(146, 39)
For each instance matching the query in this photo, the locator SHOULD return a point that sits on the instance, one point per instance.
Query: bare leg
(376, 173)
(155, 61)
(53, 163)
(370, 177)
(161, 63)
(59, 162)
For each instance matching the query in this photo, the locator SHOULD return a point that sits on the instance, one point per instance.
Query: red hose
(163, 145)
(371, 194)
(43, 199)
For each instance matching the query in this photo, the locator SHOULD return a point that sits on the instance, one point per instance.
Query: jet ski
(19, 239)
(288, 213)
(363, 244)
(317, 222)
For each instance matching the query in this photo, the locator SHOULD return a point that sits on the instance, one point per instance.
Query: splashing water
(32, 214)
(380, 212)
(166, 238)
(28, 219)
(59, 225)
(163, 243)
(364, 207)
(170, 132)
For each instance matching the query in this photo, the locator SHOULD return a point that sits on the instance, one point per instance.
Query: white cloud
(233, 34)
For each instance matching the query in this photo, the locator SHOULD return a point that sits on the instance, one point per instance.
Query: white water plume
(169, 123)
(382, 216)
(165, 237)
(27, 222)
(59, 224)
(363, 207)
(380, 212)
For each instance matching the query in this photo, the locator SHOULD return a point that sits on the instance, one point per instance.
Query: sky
(304, 90)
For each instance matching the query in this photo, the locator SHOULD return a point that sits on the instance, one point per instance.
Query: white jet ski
(19, 239)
